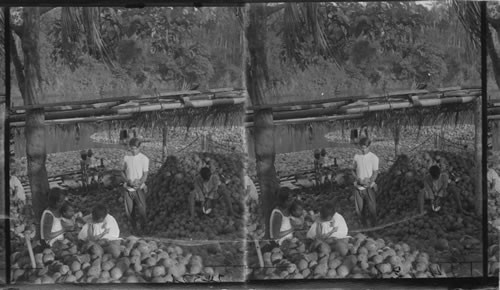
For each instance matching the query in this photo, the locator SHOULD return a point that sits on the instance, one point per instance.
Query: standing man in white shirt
(366, 171)
(135, 172)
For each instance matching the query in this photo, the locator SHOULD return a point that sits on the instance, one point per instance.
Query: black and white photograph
(128, 145)
(364, 134)
(250, 145)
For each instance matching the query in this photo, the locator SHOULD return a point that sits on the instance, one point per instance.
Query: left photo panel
(127, 145)
(3, 155)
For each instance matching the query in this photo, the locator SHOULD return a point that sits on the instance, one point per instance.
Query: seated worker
(17, 194)
(330, 224)
(69, 218)
(101, 226)
(206, 191)
(280, 225)
(435, 190)
(51, 229)
(297, 215)
(250, 190)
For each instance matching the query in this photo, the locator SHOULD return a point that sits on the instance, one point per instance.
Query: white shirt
(366, 165)
(285, 226)
(135, 166)
(250, 186)
(56, 226)
(96, 229)
(492, 175)
(337, 221)
(16, 189)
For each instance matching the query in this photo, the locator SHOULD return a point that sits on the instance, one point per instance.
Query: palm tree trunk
(495, 59)
(35, 128)
(257, 78)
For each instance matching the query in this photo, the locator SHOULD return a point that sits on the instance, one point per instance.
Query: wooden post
(495, 134)
(478, 157)
(164, 148)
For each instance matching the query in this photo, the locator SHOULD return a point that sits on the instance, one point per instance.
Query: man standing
(135, 172)
(366, 171)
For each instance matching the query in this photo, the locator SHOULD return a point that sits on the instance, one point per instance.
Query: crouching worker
(100, 226)
(135, 172)
(330, 224)
(206, 191)
(436, 190)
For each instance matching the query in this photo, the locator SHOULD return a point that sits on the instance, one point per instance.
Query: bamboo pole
(78, 120)
(310, 120)
(173, 106)
(400, 105)
(371, 97)
(217, 102)
(66, 114)
(163, 95)
(301, 113)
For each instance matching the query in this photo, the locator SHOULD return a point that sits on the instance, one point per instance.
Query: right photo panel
(493, 159)
(364, 141)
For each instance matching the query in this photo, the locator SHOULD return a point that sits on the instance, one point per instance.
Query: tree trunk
(36, 153)
(478, 158)
(35, 128)
(495, 134)
(495, 59)
(257, 78)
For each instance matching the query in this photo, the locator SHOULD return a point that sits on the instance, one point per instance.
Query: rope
(188, 145)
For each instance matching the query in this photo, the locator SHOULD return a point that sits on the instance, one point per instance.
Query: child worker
(135, 171)
(436, 190)
(330, 224)
(101, 226)
(206, 191)
(365, 168)
(71, 220)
